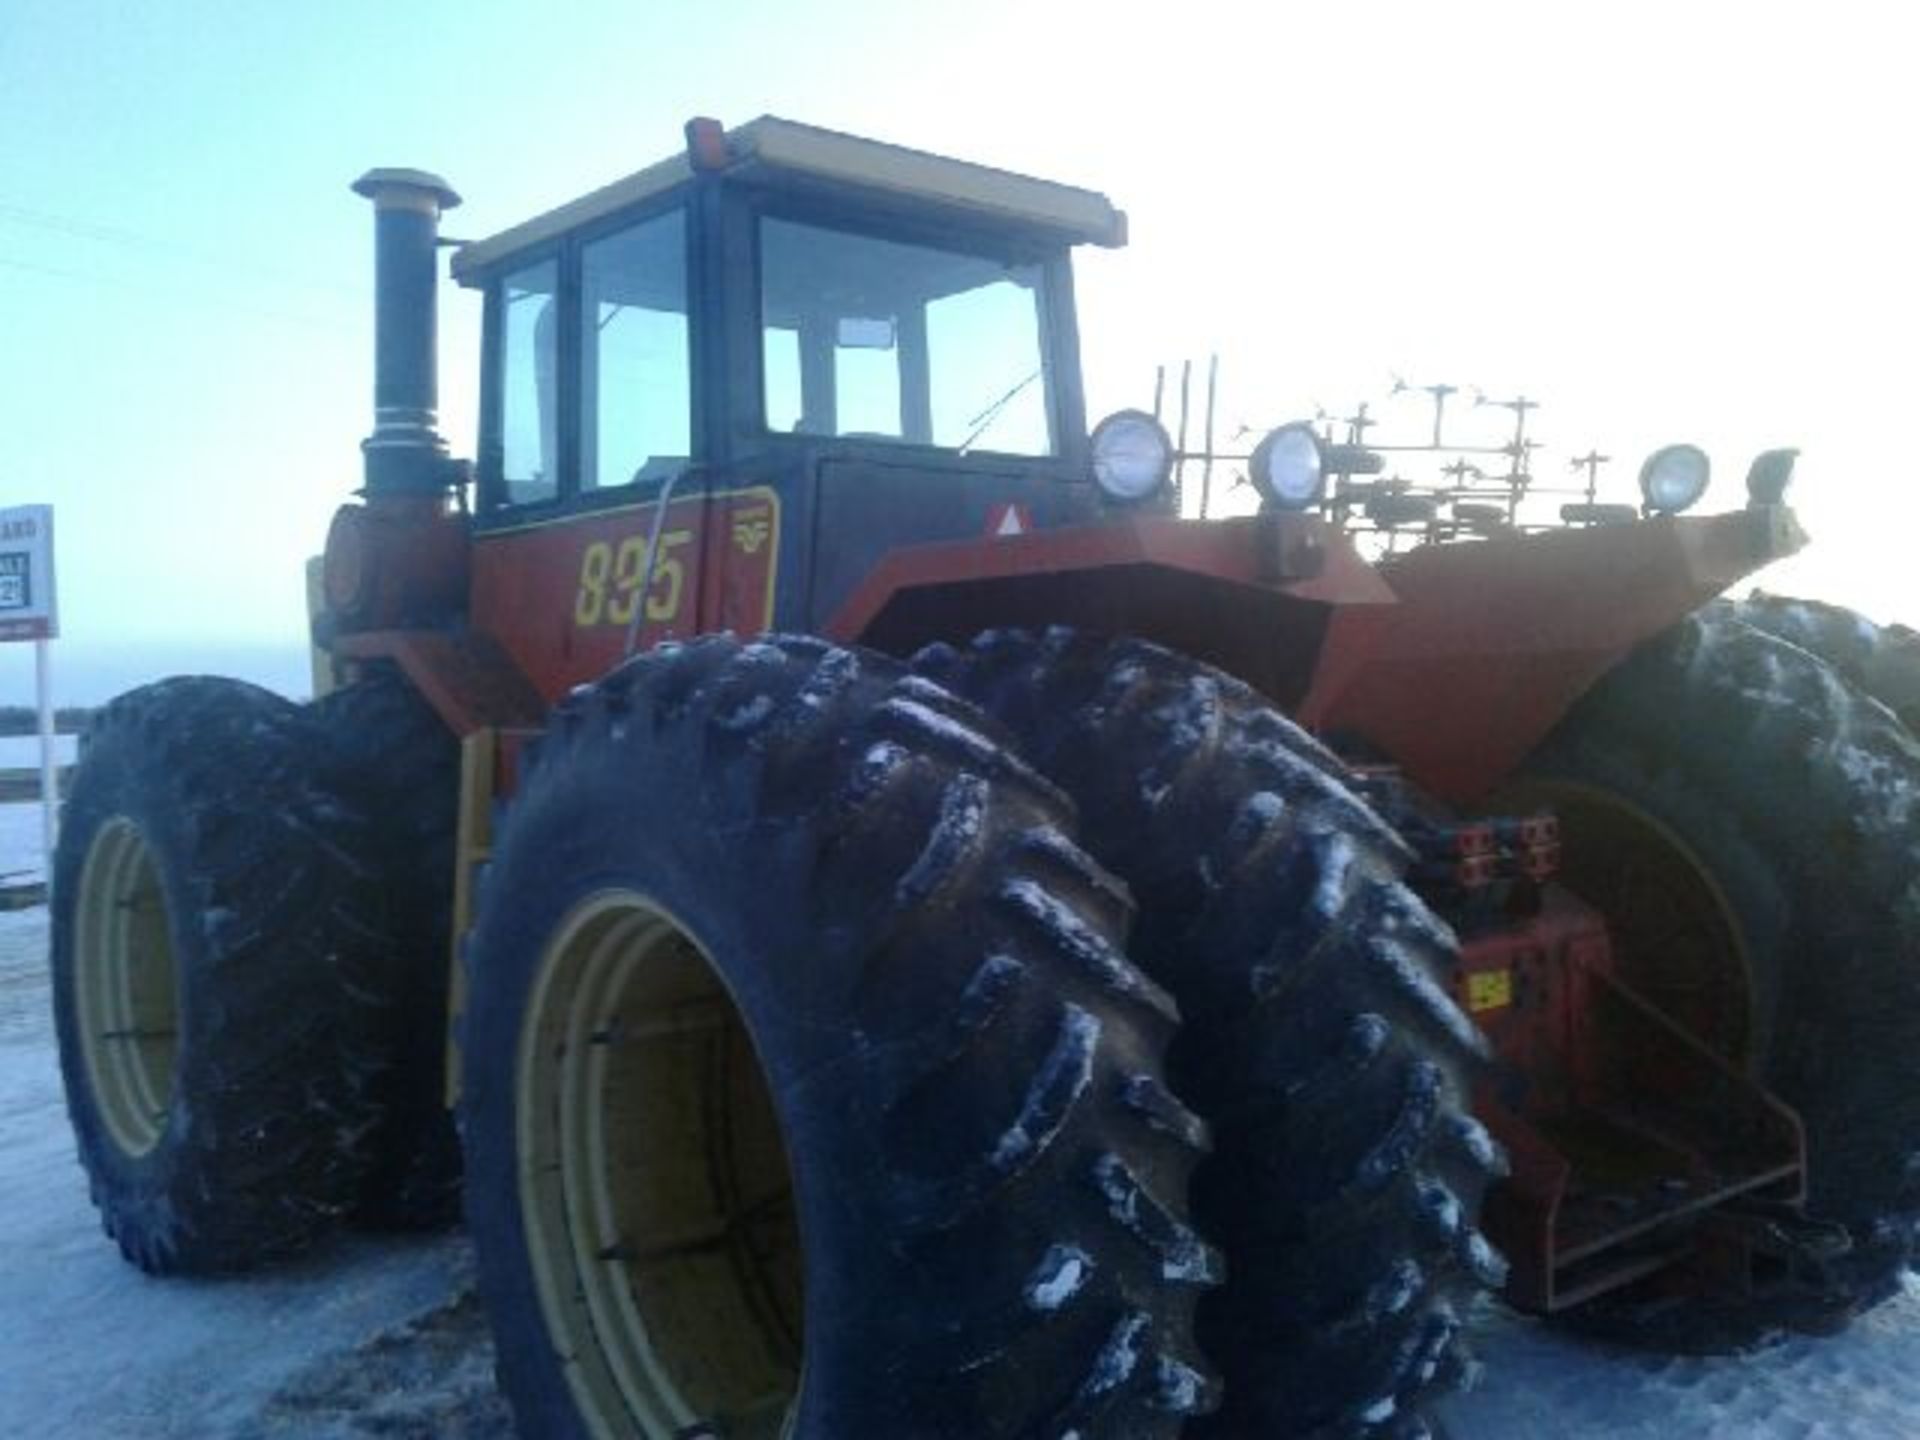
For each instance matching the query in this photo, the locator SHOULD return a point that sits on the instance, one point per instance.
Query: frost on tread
(282, 976)
(1315, 1041)
(962, 1058)
(1882, 661)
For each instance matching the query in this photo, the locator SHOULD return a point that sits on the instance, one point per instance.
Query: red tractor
(922, 940)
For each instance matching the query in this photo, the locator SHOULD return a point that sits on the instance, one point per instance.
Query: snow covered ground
(369, 1337)
(385, 1337)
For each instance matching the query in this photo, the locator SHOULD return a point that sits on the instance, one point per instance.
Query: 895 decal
(610, 580)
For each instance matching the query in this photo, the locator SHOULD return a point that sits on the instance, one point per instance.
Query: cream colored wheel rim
(656, 1193)
(126, 987)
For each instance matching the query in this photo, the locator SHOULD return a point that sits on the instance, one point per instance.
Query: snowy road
(384, 1337)
(369, 1337)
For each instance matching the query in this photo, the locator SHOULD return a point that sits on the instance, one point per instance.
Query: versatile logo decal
(752, 529)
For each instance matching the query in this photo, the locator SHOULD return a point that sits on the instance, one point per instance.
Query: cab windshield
(876, 339)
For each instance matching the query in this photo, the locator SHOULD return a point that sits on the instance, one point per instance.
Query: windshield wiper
(986, 417)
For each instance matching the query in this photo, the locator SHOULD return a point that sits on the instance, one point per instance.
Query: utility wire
(79, 229)
(168, 295)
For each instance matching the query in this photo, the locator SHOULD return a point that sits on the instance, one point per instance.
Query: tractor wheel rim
(656, 1194)
(126, 987)
(1677, 937)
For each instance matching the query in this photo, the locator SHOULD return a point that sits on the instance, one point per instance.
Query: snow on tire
(217, 978)
(1881, 660)
(1796, 800)
(807, 1088)
(1347, 1177)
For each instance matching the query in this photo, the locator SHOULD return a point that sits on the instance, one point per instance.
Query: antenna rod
(1206, 465)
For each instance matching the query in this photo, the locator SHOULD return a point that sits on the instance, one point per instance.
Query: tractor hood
(1491, 643)
(1455, 661)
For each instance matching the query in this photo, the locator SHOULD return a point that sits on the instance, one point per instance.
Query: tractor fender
(1492, 642)
(1258, 596)
(1454, 661)
(469, 680)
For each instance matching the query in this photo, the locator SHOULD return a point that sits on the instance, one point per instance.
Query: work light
(1289, 466)
(1132, 455)
(1674, 478)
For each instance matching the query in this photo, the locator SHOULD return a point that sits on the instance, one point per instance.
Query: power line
(80, 229)
(164, 294)
(86, 230)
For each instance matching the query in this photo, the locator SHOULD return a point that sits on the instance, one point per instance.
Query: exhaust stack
(405, 454)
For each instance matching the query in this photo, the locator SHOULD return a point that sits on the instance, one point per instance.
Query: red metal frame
(1622, 1129)
(1492, 642)
(1264, 597)
(466, 677)
(1455, 661)
(559, 597)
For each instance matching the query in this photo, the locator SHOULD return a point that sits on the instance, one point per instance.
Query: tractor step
(1629, 1138)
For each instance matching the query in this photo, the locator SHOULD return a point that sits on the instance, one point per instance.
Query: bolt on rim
(657, 1196)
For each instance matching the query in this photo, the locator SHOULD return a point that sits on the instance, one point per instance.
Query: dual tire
(796, 928)
(220, 978)
(1316, 1039)
(803, 1032)
(249, 961)
(801, 1036)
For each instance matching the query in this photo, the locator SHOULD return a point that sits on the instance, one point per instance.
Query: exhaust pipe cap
(401, 188)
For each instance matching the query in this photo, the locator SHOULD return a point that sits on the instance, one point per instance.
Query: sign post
(28, 612)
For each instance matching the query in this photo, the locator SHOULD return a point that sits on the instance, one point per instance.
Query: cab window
(529, 435)
(875, 338)
(635, 368)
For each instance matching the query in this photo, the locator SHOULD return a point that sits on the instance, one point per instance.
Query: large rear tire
(807, 1091)
(217, 969)
(396, 758)
(1882, 661)
(1754, 821)
(1347, 1176)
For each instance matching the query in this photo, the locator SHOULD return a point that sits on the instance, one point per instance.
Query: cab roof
(770, 149)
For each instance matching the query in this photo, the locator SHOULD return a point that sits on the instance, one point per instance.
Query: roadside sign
(27, 607)
(28, 612)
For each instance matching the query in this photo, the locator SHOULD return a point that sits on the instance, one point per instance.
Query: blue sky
(1669, 221)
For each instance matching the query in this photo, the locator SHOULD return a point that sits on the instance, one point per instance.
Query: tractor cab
(846, 346)
(775, 288)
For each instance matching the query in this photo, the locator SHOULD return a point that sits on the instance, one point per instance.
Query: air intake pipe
(398, 558)
(405, 454)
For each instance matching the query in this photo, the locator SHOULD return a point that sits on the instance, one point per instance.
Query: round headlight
(1132, 455)
(1674, 478)
(1289, 466)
